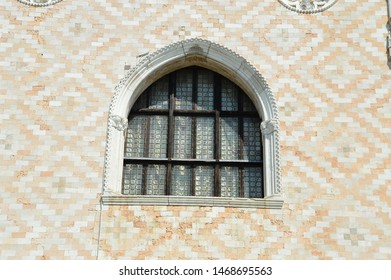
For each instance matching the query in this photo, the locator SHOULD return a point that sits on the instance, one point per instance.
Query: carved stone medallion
(39, 3)
(307, 6)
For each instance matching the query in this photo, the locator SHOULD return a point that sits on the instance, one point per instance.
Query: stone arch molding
(192, 52)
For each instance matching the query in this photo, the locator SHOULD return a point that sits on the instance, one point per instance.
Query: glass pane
(252, 149)
(158, 98)
(133, 174)
(156, 179)
(141, 102)
(134, 146)
(229, 181)
(204, 181)
(205, 138)
(158, 137)
(181, 180)
(205, 90)
(253, 182)
(229, 138)
(229, 96)
(184, 90)
(182, 137)
(248, 106)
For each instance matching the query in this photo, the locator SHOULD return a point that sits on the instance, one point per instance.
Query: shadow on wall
(388, 39)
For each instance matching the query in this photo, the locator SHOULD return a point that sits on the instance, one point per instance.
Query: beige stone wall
(328, 71)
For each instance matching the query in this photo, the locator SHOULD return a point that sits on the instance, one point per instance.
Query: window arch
(206, 56)
(193, 133)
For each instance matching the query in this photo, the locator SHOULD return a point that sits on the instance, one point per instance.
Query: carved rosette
(307, 6)
(119, 123)
(269, 126)
(39, 3)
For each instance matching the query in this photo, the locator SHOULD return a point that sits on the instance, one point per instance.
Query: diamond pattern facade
(328, 71)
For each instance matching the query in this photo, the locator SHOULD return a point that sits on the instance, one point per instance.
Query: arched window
(193, 133)
(193, 124)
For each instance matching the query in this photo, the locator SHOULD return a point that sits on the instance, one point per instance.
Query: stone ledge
(258, 203)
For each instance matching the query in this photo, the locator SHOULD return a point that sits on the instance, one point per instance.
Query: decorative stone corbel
(269, 126)
(119, 123)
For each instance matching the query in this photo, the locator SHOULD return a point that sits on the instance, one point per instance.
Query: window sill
(258, 203)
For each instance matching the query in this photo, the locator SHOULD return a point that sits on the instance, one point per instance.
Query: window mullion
(146, 149)
(194, 129)
(171, 125)
(217, 105)
(241, 144)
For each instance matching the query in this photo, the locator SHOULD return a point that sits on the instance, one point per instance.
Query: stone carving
(269, 126)
(307, 6)
(39, 3)
(119, 123)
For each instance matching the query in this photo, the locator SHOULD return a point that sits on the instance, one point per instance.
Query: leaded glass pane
(141, 103)
(181, 180)
(229, 138)
(204, 180)
(184, 90)
(182, 137)
(134, 146)
(252, 149)
(133, 174)
(158, 137)
(229, 181)
(205, 138)
(158, 98)
(156, 179)
(253, 182)
(205, 90)
(248, 106)
(229, 96)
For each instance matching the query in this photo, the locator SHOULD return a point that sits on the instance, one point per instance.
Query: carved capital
(119, 123)
(269, 126)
